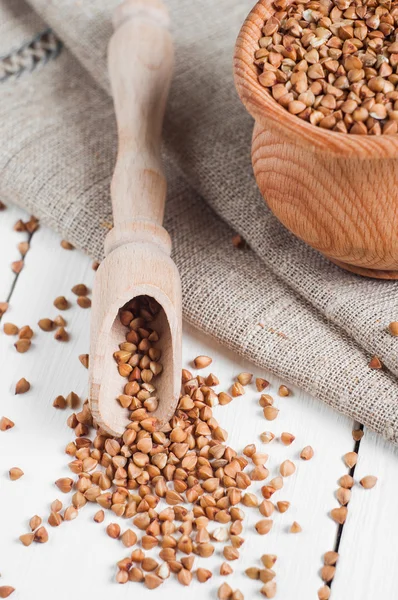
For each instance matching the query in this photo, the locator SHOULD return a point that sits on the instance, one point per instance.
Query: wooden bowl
(335, 191)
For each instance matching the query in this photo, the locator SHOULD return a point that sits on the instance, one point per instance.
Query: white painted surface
(79, 559)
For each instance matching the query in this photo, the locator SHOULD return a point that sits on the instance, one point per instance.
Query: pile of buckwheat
(181, 490)
(334, 63)
(138, 357)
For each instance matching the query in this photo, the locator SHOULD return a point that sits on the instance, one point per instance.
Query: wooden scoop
(137, 249)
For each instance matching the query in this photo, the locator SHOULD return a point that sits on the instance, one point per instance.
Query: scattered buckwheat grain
(287, 438)
(287, 468)
(59, 402)
(27, 538)
(15, 473)
(61, 303)
(41, 535)
(283, 391)
(17, 266)
(245, 378)
(393, 328)
(84, 302)
(269, 589)
(22, 346)
(261, 384)
(368, 482)
(201, 362)
(295, 527)
(46, 324)
(324, 593)
(307, 453)
(357, 434)
(224, 592)
(350, 459)
(270, 412)
(375, 363)
(339, 514)
(22, 386)
(238, 241)
(66, 245)
(330, 558)
(10, 329)
(343, 495)
(327, 573)
(84, 359)
(61, 335)
(6, 424)
(23, 248)
(35, 522)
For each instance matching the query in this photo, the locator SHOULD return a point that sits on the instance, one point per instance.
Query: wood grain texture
(138, 248)
(140, 63)
(337, 192)
(37, 443)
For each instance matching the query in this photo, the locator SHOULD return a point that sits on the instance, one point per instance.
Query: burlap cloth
(278, 303)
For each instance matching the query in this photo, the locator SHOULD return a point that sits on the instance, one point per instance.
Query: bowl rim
(265, 110)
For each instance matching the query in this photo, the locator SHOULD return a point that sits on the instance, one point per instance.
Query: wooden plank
(310, 490)
(40, 434)
(368, 548)
(79, 553)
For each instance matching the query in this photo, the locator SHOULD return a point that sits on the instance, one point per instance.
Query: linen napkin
(277, 302)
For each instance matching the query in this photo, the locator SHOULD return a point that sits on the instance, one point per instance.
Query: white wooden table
(79, 559)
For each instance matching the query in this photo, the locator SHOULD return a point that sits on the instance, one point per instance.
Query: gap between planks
(368, 548)
(350, 471)
(9, 216)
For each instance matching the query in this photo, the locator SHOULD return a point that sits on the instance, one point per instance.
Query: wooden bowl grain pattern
(337, 192)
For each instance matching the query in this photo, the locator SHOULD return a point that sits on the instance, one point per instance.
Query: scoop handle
(140, 62)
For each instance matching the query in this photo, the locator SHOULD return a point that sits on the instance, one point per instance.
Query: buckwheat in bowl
(320, 79)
